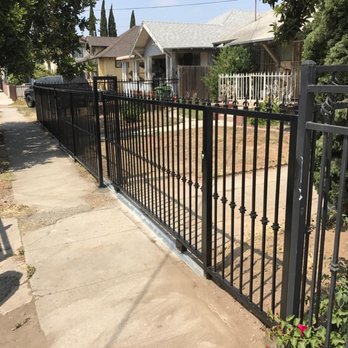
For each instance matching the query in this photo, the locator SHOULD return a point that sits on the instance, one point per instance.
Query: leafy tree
(326, 38)
(103, 23)
(293, 16)
(132, 20)
(230, 60)
(112, 25)
(15, 49)
(92, 21)
(54, 33)
(33, 31)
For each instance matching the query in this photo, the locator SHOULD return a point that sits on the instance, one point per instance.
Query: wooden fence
(191, 81)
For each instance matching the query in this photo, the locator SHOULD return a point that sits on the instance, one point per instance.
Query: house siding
(151, 49)
(107, 67)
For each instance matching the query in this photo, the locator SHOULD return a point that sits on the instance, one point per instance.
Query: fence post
(106, 137)
(294, 238)
(72, 124)
(97, 130)
(119, 175)
(207, 156)
(57, 115)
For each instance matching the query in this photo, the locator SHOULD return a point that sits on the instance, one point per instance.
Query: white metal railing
(261, 86)
(21, 88)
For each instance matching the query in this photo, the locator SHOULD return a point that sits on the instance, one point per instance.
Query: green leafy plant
(15, 79)
(340, 119)
(163, 92)
(230, 60)
(326, 42)
(291, 332)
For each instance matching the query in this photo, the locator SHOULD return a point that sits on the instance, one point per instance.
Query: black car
(29, 94)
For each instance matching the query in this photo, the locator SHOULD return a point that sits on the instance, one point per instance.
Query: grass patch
(22, 107)
(30, 271)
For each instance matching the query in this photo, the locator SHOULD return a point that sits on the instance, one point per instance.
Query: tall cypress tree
(112, 24)
(103, 23)
(92, 21)
(132, 20)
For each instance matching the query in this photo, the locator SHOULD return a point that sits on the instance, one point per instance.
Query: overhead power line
(167, 6)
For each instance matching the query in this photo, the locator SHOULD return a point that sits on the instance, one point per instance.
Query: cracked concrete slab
(120, 287)
(103, 279)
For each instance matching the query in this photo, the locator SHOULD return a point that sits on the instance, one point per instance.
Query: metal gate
(318, 253)
(203, 173)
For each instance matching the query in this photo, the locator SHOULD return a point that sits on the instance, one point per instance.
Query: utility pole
(255, 9)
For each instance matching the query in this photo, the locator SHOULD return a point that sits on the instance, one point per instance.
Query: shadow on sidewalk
(9, 284)
(29, 145)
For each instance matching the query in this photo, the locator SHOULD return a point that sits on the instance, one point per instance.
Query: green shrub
(335, 170)
(230, 60)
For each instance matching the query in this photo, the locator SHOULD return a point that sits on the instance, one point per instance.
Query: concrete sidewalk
(103, 278)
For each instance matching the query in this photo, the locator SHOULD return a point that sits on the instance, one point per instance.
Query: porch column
(148, 68)
(135, 70)
(168, 67)
(174, 66)
(124, 71)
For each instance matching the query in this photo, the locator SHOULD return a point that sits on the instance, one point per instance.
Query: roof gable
(123, 46)
(100, 41)
(178, 35)
(254, 31)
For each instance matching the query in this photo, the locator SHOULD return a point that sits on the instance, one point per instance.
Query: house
(271, 56)
(278, 65)
(163, 46)
(112, 55)
(179, 54)
(91, 46)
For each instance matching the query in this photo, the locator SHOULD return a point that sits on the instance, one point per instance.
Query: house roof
(233, 19)
(123, 45)
(178, 35)
(100, 41)
(255, 31)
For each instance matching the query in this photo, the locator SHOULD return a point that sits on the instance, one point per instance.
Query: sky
(184, 14)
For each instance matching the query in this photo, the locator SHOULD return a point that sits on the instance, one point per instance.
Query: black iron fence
(69, 115)
(317, 281)
(205, 173)
(233, 186)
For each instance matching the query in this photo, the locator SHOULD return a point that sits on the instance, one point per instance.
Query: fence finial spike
(245, 103)
(235, 102)
(282, 105)
(257, 104)
(225, 101)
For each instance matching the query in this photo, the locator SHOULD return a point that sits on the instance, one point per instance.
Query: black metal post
(57, 114)
(97, 131)
(106, 137)
(294, 241)
(118, 147)
(207, 189)
(72, 124)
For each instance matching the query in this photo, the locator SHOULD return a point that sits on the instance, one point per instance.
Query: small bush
(291, 332)
(230, 60)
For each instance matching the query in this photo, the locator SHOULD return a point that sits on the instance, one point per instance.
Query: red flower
(302, 328)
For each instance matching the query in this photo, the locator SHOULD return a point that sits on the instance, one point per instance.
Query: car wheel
(29, 100)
